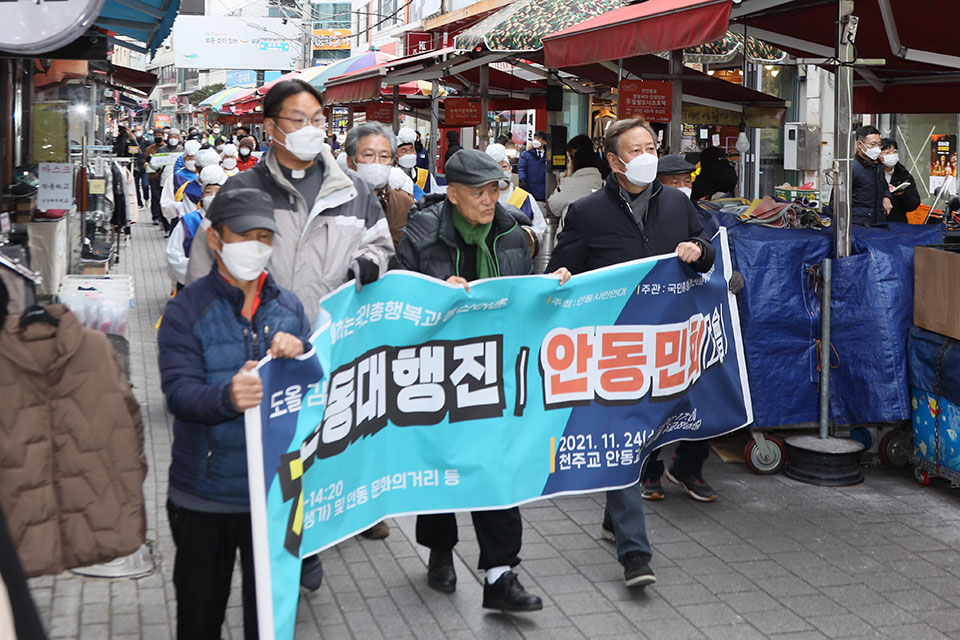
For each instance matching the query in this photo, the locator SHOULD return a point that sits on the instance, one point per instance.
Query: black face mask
(158, 141)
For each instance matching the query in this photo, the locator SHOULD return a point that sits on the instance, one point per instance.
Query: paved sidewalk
(771, 559)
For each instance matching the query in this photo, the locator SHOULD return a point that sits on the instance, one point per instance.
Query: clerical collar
(298, 174)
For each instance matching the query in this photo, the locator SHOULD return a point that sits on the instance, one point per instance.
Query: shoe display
(440, 574)
(637, 571)
(606, 528)
(507, 594)
(311, 573)
(651, 490)
(378, 531)
(696, 487)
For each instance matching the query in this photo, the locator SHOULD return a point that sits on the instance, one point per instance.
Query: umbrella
(215, 100)
(306, 75)
(358, 62)
(522, 25)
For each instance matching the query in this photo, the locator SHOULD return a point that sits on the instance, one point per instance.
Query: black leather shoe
(507, 594)
(311, 573)
(440, 574)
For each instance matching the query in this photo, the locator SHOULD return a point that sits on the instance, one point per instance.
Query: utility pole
(307, 35)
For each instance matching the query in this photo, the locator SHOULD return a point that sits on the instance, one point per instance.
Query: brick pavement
(771, 559)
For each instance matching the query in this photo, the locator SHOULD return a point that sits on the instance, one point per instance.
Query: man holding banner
(632, 217)
(469, 235)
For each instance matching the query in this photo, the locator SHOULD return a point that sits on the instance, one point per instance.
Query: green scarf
(477, 236)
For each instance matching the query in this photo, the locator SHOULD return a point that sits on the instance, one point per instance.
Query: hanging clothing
(71, 477)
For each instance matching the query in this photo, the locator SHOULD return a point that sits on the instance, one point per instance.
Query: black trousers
(142, 186)
(207, 546)
(498, 534)
(688, 461)
(155, 211)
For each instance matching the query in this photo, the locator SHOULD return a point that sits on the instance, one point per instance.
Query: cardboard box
(936, 289)
(94, 268)
(796, 193)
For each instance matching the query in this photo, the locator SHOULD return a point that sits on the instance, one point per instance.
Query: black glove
(364, 271)
(522, 184)
(736, 282)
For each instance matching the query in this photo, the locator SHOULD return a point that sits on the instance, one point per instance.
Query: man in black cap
(451, 237)
(211, 337)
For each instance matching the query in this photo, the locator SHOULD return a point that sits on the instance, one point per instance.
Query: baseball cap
(242, 210)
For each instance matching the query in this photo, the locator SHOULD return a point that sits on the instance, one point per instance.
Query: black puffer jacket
(431, 246)
(600, 230)
(905, 200)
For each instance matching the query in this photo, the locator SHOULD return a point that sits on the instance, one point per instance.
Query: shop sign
(44, 25)
(461, 112)
(380, 111)
(244, 77)
(56, 186)
(331, 39)
(756, 117)
(173, 99)
(161, 120)
(418, 42)
(943, 160)
(341, 116)
(232, 42)
(651, 100)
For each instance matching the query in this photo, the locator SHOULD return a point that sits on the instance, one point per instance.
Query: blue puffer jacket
(533, 173)
(203, 341)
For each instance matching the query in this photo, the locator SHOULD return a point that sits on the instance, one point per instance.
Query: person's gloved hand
(364, 271)
(522, 184)
(736, 282)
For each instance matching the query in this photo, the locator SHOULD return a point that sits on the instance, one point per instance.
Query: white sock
(494, 573)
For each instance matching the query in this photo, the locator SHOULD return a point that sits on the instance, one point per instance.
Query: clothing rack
(33, 277)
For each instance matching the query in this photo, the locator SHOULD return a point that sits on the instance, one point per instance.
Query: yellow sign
(98, 186)
(331, 39)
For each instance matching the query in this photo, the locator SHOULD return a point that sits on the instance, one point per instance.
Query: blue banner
(421, 397)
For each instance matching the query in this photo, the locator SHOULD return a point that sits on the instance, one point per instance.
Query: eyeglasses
(302, 121)
(372, 156)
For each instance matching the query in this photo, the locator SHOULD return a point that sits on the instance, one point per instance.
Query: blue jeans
(625, 508)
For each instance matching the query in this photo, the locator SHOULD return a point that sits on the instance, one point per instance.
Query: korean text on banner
(651, 100)
(422, 398)
(56, 186)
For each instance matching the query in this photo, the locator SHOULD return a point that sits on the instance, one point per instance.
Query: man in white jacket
(181, 237)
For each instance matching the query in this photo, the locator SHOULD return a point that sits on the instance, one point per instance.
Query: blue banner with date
(421, 397)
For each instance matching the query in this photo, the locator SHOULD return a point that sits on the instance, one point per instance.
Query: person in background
(370, 149)
(515, 196)
(141, 181)
(451, 237)
(171, 186)
(585, 174)
(903, 188)
(189, 192)
(245, 148)
(632, 217)
(870, 198)
(181, 237)
(229, 159)
(205, 364)
(716, 175)
(244, 131)
(154, 171)
(453, 145)
(532, 167)
(407, 159)
(216, 138)
(423, 154)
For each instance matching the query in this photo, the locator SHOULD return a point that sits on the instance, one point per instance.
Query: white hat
(497, 151)
(406, 135)
(212, 174)
(207, 157)
(191, 147)
(230, 150)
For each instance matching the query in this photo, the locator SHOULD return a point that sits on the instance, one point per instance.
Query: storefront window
(779, 81)
(928, 149)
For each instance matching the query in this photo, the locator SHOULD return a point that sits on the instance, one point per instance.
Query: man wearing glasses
(332, 228)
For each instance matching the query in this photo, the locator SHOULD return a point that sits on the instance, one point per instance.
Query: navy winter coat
(533, 173)
(600, 230)
(203, 341)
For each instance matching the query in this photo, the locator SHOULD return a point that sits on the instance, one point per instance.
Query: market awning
(925, 66)
(147, 21)
(522, 25)
(638, 29)
(140, 80)
(730, 46)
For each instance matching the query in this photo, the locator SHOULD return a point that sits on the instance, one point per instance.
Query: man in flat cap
(211, 337)
(451, 237)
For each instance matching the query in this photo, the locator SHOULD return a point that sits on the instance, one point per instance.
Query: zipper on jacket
(266, 336)
(246, 341)
(256, 349)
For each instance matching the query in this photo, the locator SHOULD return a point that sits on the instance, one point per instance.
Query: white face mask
(206, 201)
(139, 134)
(872, 153)
(505, 183)
(305, 143)
(374, 173)
(244, 151)
(216, 131)
(191, 165)
(229, 163)
(642, 170)
(891, 160)
(686, 191)
(173, 141)
(219, 148)
(245, 260)
(408, 161)
(537, 144)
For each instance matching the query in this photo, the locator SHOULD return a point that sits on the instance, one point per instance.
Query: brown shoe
(378, 531)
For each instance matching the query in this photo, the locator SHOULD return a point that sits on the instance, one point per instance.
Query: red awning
(140, 80)
(638, 29)
(359, 90)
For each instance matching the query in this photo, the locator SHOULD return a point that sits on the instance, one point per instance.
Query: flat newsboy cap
(673, 164)
(242, 210)
(473, 168)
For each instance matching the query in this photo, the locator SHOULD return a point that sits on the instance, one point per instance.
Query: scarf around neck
(477, 236)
